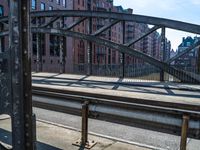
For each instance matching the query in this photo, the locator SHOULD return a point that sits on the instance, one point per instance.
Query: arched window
(1, 10)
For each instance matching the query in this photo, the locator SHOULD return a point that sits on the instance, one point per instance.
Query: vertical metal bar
(19, 45)
(64, 48)
(198, 61)
(85, 111)
(38, 46)
(163, 48)
(123, 55)
(90, 43)
(61, 53)
(185, 123)
(34, 131)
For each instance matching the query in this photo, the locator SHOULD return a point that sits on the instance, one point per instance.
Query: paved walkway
(58, 137)
(116, 80)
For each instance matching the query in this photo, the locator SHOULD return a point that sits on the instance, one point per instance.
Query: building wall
(77, 50)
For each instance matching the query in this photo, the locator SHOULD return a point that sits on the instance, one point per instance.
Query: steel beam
(198, 62)
(90, 49)
(104, 28)
(180, 74)
(71, 26)
(143, 36)
(187, 50)
(163, 49)
(123, 54)
(19, 45)
(52, 20)
(173, 24)
(4, 33)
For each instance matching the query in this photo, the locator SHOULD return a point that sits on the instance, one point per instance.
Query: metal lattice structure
(15, 71)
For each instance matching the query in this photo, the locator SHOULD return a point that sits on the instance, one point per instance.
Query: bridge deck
(152, 92)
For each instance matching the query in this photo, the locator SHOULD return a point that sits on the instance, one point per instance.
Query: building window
(58, 2)
(34, 4)
(42, 6)
(1, 11)
(64, 3)
(34, 42)
(50, 8)
(54, 45)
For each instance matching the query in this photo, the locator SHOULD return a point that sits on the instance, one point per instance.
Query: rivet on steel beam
(26, 95)
(27, 116)
(27, 144)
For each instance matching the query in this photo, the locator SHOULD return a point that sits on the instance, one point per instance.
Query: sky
(182, 10)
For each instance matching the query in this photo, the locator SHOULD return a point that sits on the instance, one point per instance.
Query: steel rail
(164, 119)
(168, 23)
(180, 74)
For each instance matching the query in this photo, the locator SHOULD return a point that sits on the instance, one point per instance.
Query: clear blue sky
(183, 10)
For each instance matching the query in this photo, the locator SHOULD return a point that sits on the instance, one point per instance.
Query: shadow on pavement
(6, 137)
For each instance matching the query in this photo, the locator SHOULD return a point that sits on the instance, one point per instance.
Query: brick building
(188, 61)
(77, 50)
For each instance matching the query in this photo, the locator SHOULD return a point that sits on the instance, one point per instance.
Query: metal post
(19, 46)
(61, 53)
(84, 142)
(163, 48)
(84, 136)
(38, 46)
(64, 48)
(123, 55)
(198, 61)
(90, 43)
(185, 123)
(34, 131)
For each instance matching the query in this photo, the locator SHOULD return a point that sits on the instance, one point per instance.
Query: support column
(198, 61)
(62, 42)
(20, 65)
(39, 51)
(163, 48)
(90, 43)
(123, 55)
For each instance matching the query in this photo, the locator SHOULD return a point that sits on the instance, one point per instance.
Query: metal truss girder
(173, 24)
(71, 26)
(143, 36)
(197, 44)
(4, 33)
(104, 28)
(123, 49)
(53, 19)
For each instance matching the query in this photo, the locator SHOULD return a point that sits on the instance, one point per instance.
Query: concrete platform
(56, 137)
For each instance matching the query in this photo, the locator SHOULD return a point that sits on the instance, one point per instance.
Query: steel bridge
(15, 71)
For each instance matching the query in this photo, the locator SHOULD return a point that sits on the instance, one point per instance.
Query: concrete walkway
(116, 80)
(56, 137)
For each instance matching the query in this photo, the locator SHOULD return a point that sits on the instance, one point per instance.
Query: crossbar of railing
(159, 118)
